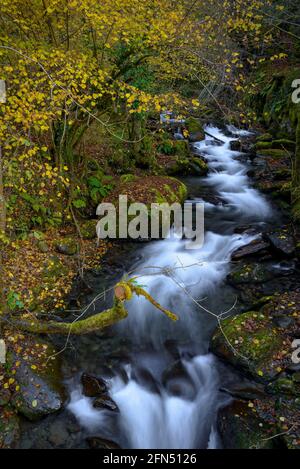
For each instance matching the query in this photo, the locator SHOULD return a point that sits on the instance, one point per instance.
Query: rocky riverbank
(260, 341)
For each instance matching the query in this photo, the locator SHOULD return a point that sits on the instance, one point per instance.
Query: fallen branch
(212, 136)
(123, 291)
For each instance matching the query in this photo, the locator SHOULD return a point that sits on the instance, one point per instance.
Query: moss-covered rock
(37, 379)
(250, 272)
(88, 229)
(195, 129)
(241, 428)
(250, 341)
(148, 190)
(187, 167)
(67, 246)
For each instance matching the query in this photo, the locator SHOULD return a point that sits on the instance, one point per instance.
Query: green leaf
(79, 203)
(94, 182)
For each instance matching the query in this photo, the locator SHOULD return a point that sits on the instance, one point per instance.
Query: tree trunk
(123, 292)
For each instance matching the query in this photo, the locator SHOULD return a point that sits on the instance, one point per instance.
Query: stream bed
(163, 380)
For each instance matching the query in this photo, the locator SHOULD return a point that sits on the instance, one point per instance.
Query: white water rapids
(178, 409)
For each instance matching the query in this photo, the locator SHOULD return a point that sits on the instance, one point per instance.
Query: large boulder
(282, 241)
(193, 166)
(37, 381)
(195, 129)
(250, 341)
(148, 190)
(257, 341)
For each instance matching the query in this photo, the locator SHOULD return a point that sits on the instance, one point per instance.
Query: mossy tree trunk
(123, 292)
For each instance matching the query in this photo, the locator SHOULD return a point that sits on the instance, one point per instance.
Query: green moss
(251, 341)
(263, 145)
(274, 153)
(194, 125)
(265, 138)
(127, 178)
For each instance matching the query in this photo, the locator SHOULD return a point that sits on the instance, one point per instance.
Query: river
(168, 388)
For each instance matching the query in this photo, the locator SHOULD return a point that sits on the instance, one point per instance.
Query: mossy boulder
(241, 428)
(282, 241)
(195, 129)
(245, 273)
(171, 147)
(67, 246)
(36, 373)
(252, 342)
(194, 166)
(148, 190)
(88, 229)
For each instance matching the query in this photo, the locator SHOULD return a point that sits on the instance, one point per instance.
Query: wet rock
(240, 428)
(246, 390)
(88, 229)
(39, 391)
(145, 378)
(235, 145)
(105, 402)
(68, 246)
(282, 241)
(96, 442)
(195, 129)
(177, 381)
(93, 386)
(9, 428)
(283, 322)
(194, 166)
(249, 273)
(251, 342)
(251, 249)
(58, 434)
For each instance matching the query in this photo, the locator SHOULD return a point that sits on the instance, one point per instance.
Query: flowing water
(168, 391)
